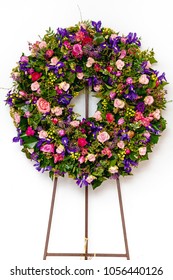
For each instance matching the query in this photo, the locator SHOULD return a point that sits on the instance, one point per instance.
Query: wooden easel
(86, 254)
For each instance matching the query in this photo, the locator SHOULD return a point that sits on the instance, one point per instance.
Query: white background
(25, 194)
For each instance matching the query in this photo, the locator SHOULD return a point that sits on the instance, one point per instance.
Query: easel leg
(50, 218)
(86, 223)
(122, 218)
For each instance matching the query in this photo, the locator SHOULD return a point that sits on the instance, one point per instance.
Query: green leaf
(97, 183)
(29, 142)
(98, 39)
(154, 138)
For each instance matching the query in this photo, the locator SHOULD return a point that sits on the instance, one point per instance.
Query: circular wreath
(127, 122)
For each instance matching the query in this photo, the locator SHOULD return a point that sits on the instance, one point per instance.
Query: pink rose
(27, 114)
(81, 159)
(61, 132)
(120, 121)
(90, 62)
(118, 103)
(112, 94)
(142, 151)
(65, 86)
(148, 100)
(118, 74)
(35, 86)
(120, 144)
(43, 105)
(58, 158)
(97, 88)
(47, 148)
(80, 76)
(123, 40)
(156, 114)
(42, 134)
(129, 81)
(90, 178)
(147, 134)
(120, 64)
(24, 59)
(122, 54)
(75, 123)
(16, 118)
(91, 157)
(49, 53)
(143, 79)
(54, 60)
(103, 136)
(97, 116)
(107, 152)
(57, 111)
(77, 50)
(146, 121)
(138, 116)
(113, 169)
(42, 45)
(22, 93)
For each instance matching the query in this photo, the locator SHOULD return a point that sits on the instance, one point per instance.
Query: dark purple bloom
(127, 168)
(16, 139)
(78, 69)
(124, 137)
(140, 107)
(132, 95)
(23, 66)
(110, 82)
(64, 99)
(128, 163)
(97, 25)
(9, 101)
(65, 141)
(162, 77)
(82, 182)
(89, 80)
(133, 39)
(62, 32)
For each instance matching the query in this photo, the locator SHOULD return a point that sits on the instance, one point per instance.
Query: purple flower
(64, 99)
(62, 32)
(97, 25)
(132, 95)
(140, 107)
(133, 39)
(9, 101)
(79, 69)
(82, 182)
(162, 77)
(65, 141)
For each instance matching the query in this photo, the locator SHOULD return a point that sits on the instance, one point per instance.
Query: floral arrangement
(128, 120)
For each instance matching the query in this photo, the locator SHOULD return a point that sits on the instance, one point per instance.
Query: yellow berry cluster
(75, 155)
(121, 155)
(52, 134)
(52, 79)
(129, 112)
(105, 104)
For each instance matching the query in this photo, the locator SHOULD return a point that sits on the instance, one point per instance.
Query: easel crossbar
(86, 255)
